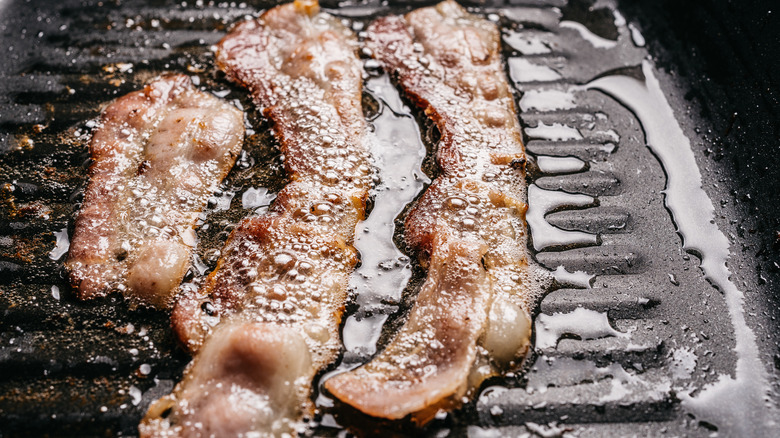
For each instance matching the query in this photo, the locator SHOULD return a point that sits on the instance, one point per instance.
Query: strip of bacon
(281, 284)
(158, 153)
(471, 319)
(247, 378)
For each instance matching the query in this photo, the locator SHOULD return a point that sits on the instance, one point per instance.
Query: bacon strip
(471, 319)
(158, 153)
(280, 286)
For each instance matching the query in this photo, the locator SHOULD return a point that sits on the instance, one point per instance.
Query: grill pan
(90, 369)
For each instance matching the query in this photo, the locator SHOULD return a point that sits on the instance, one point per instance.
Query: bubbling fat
(266, 321)
(471, 320)
(158, 153)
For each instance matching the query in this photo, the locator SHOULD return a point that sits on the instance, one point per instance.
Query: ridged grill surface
(72, 368)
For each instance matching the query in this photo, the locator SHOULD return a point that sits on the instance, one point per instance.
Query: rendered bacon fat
(282, 276)
(471, 318)
(158, 153)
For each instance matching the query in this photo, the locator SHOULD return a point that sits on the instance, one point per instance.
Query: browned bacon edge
(471, 319)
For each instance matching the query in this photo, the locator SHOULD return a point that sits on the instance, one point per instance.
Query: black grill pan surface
(625, 345)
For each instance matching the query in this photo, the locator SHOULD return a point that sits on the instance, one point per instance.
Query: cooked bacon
(302, 70)
(471, 319)
(424, 362)
(244, 379)
(282, 275)
(158, 154)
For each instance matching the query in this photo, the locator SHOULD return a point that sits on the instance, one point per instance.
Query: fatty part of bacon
(283, 273)
(471, 319)
(244, 379)
(158, 153)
